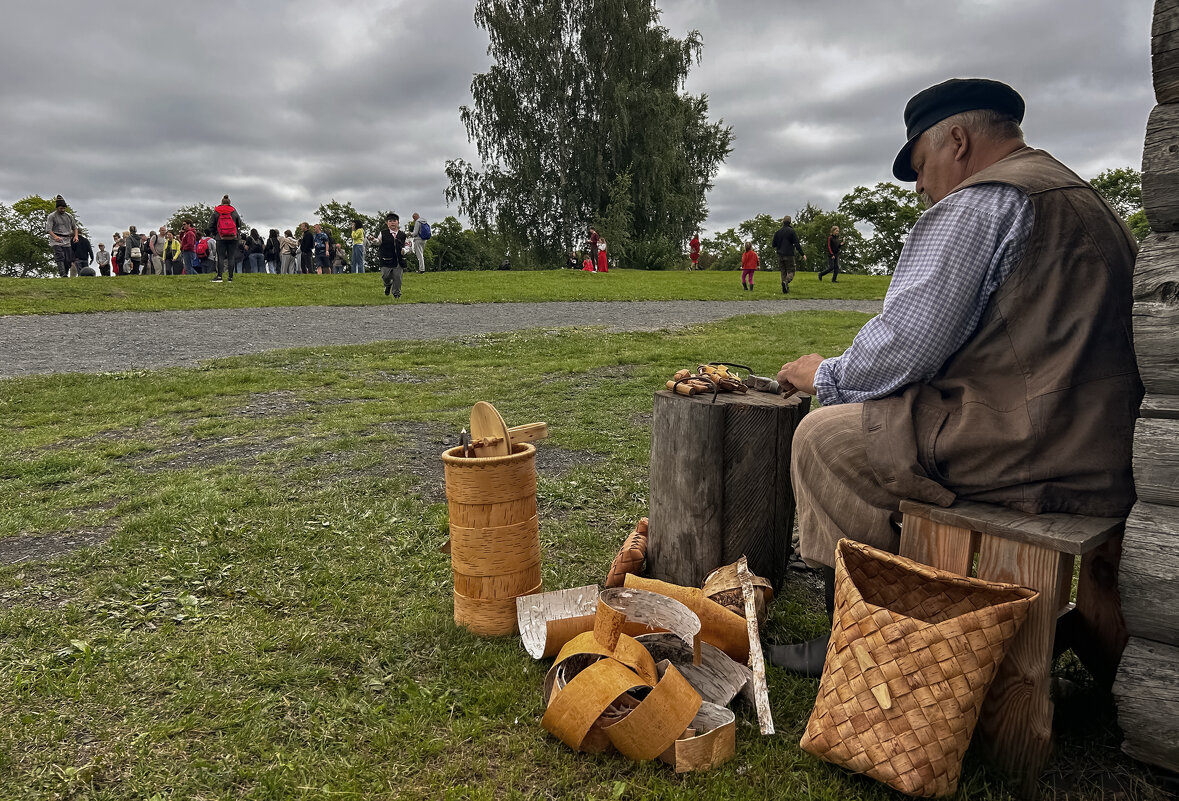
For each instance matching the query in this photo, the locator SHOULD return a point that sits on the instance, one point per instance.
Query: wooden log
(720, 484)
(1147, 694)
(1149, 575)
(1160, 407)
(1164, 51)
(1156, 314)
(1160, 168)
(1156, 462)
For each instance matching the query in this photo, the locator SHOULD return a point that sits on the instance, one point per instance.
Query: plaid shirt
(956, 256)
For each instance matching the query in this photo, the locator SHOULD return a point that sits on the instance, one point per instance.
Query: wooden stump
(720, 484)
(1147, 692)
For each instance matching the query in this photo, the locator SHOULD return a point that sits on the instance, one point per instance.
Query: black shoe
(804, 658)
(388, 290)
(396, 295)
(834, 281)
(216, 280)
(820, 277)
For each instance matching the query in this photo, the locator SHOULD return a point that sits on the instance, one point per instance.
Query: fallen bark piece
(719, 626)
(626, 650)
(656, 611)
(659, 719)
(717, 678)
(761, 693)
(711, 740)
(548, 620)
(573, 710)
(724, 586)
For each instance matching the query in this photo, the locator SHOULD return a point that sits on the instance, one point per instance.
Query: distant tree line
(886, 212)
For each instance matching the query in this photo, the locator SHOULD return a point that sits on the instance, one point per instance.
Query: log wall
(1147, 684)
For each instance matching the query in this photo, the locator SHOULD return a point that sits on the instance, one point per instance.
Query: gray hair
(984, 122)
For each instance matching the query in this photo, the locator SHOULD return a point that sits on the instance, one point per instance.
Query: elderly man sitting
(1001, 368)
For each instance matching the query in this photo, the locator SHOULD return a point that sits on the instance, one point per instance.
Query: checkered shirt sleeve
(954, 259)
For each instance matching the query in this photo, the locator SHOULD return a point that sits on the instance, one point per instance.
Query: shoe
(804, 658)
(807, 658)
(820, 278)
(834, 281)
(396, 295)
(421, 272)
(785, 290)
(388, 290)
(216, 280)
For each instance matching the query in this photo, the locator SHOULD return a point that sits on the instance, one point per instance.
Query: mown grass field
(161, 293)
(268, 615)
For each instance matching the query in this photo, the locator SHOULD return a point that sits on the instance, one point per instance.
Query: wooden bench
(1036, 551)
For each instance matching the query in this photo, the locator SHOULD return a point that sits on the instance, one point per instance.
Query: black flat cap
(930, 106)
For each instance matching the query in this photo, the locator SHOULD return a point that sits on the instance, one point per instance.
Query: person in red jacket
(694, 251)
(187, 246)
(749, 264)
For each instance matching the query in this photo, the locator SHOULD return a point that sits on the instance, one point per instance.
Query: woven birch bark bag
(913, 651)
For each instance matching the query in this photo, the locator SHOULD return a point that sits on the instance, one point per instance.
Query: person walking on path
(833, 245)
(391, 254)
(786, 243)
(226, 223)
(419, 235)
(357, 246)
(63, 232)
(749, 264)
(694, 251)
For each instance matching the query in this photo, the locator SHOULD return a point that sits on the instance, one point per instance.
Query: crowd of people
(224, 246)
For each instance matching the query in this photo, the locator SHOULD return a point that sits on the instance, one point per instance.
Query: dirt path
(118, 341)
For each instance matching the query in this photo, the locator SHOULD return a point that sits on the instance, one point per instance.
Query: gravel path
(117, 341)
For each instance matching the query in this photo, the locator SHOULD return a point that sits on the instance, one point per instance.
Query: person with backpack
(133, 258)
(270, 252)
(420, 233)
(320, 242)
(226, 223)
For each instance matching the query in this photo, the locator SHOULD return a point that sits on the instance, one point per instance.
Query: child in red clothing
(749, 264)
(602, 268)
(587, 266)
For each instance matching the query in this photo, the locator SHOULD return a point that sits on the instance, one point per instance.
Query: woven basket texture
(913, 651)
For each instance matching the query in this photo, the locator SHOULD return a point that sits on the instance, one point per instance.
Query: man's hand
(800, 373)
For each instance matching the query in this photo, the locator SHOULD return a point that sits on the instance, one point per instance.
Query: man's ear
(960, 138)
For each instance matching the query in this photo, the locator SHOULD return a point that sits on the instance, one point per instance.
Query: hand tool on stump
(490, 435)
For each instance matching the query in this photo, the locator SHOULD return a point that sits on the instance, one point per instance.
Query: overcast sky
(132, 109)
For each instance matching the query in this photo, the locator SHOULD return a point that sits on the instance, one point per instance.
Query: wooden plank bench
(995, 543)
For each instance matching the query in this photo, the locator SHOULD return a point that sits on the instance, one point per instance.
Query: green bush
(656, 253)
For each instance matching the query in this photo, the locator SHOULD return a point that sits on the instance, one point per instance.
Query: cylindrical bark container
(494, 536)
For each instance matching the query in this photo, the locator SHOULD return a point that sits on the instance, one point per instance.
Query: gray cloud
(131, 108)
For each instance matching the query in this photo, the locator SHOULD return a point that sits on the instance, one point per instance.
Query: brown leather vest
(1036, 411)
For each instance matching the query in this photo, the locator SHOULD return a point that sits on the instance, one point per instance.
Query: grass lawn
(160, 293)
(270, 617)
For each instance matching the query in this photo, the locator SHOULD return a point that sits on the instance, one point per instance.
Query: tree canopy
(1122, 189)
(24, 243)
(892, 211)
(581, 94)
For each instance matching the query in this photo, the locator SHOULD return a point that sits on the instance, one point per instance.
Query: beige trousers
(835, 488)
